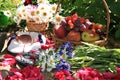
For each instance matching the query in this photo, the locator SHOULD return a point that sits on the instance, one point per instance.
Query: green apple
(86, 36)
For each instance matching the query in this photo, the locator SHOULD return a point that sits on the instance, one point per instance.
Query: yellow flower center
(8, 13)
(37, 19)
(44, 14)
(32, 13)
(53, 8)
(23, 10)
(19, 15)
(40, 1)
(37, 12)
(42, 8)
(51, 61)
(58, 19)
(50, 17)
(63, 55)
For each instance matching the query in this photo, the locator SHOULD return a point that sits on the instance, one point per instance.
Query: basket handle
(60, 1)
(108, 17)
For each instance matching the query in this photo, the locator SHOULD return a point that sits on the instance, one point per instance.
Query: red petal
(8, 56)
(1, 76)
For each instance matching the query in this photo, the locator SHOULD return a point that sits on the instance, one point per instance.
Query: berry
(74, 17)
(70, 24)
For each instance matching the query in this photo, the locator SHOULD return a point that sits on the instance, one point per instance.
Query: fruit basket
(98, 40)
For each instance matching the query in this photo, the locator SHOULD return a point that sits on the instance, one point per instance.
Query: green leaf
(3, 19)
(117, 34)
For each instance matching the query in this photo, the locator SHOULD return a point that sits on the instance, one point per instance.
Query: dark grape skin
(102, 35)
(77, 22)
(82, 27)
(65, 25)
(67, 28)
(88, 25)
(77, 28)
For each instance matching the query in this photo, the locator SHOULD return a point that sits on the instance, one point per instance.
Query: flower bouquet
(36, 16)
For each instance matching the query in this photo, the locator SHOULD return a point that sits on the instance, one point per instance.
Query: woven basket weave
(102, 42)
(34, 27)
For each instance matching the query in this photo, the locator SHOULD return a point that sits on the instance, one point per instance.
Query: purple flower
(63, 65)
(67, 49)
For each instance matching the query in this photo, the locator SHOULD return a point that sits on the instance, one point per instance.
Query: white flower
(53, 8)
(43, 66)
(21, 9)
(21, 12)
(43, 12)
(17, 20)
(37, 19)
(42, 1)
(45, 15)
(7, 13)
(32, 14)
(38, 11)
(57, 19)
(50, 63)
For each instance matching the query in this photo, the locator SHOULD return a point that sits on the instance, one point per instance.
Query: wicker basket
(102, 42)
(34, 27)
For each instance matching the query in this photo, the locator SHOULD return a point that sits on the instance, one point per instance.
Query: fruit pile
(76, 28)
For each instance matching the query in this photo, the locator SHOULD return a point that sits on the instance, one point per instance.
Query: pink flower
(89, 74)
(118, 70)
(108, 75)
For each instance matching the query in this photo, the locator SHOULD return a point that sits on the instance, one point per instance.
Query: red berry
(74, 17)
(68, 18)
(71, 25)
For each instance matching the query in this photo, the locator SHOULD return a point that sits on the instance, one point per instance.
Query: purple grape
(77, 28)
(77, 22)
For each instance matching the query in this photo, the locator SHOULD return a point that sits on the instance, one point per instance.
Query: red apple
(59, 31)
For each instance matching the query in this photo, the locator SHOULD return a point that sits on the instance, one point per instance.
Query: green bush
(7, 23)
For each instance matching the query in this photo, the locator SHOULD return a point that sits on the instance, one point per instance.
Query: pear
(86, 36)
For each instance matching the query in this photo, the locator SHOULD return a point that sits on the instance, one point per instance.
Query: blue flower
(63, 65)
(66, 50)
